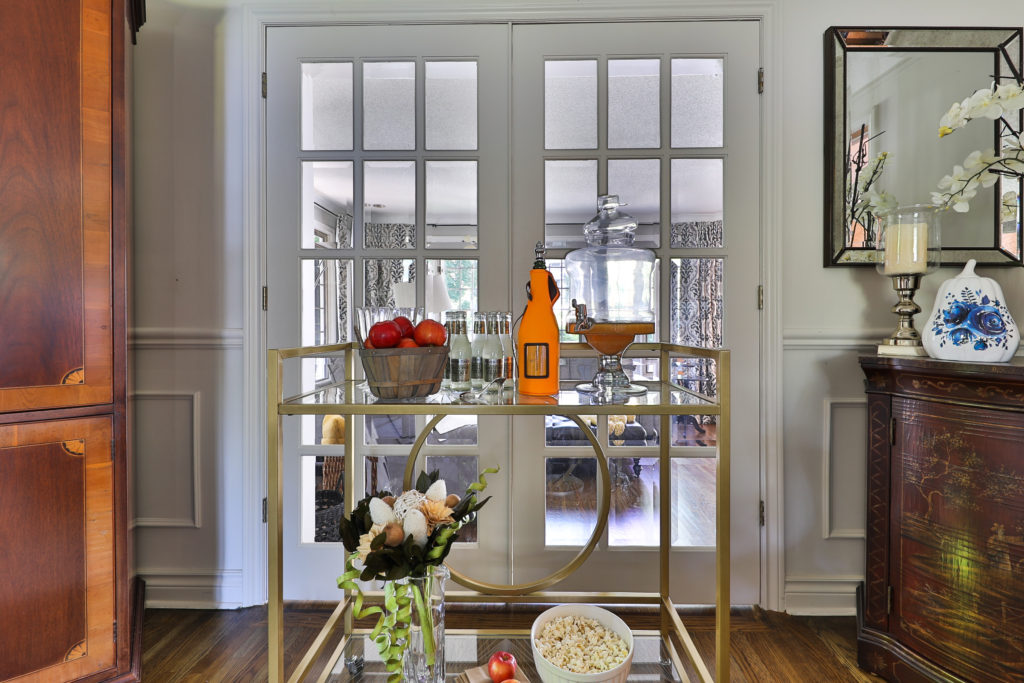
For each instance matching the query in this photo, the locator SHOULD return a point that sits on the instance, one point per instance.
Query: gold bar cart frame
(672, 630)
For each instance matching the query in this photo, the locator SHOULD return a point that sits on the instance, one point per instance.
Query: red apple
(501, 666)
(407, 343)
(385, 334)
(430, 333)
(405, 325)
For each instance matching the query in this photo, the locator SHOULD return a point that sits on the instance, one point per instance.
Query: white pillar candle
(906, 249)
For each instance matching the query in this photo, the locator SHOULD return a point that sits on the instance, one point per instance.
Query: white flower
(984, 103)
(952, 119)
(380, 512)
(1010, 97)
(415, 524)
(437, 491)
(880, 202)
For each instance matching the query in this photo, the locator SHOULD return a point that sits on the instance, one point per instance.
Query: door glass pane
(327, 105)
(696, 311)
(570, 500)
(386, 473)
(315, 373)
(389, 205)
(454, 430)
(570, 104)
(329, 500)
(389, 430)
(634, 103)
(451, 108)
(638, 184)
(570, 200)
(326, 305)
(389, 105)
(697, 201)
(561, 431)
(389, 282)
(697, 98)
(693, 501)
(451, 204)
(633, 515)
(452, 284)
(633, 430)
(327, 204)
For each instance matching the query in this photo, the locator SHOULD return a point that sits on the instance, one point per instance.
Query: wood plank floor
(211, 645)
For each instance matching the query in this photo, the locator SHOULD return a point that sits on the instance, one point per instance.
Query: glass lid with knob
(609, 276)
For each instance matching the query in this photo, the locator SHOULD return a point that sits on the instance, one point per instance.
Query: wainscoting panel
(168, 462)
(843, 474)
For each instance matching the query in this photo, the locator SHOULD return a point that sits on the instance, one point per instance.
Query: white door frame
(256, 20)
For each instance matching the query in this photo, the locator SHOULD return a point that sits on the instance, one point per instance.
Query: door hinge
(264, 298)
(892, 431)
(760, 82)
(888, 600)
(761, 513)
(264, 510)
(760, 297)
(263, 84)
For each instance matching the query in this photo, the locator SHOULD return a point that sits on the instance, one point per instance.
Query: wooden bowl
(395, 374)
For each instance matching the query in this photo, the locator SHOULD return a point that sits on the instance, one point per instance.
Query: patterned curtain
(380, 275)
(696, 234)
(389, 236)
(695, 299)
(343, 278)
(343, 231)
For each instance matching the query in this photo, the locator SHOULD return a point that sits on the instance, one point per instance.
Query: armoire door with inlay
(57, 549)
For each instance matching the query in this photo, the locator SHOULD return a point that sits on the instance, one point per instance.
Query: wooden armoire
(67, 597)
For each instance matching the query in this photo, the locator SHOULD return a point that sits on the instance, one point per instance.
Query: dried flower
(436, 512)
(366, 539)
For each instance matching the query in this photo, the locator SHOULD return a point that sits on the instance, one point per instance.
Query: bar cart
(663, 398)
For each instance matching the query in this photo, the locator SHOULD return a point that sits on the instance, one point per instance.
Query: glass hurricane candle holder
(908, 246)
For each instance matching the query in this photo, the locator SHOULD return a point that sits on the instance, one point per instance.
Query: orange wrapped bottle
(537, 340)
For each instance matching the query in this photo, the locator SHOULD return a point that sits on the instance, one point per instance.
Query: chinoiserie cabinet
(943, 596)
(67, 600)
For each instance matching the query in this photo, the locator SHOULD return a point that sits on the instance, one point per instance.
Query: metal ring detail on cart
(560, 574)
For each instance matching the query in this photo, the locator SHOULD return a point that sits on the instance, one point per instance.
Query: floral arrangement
(389, 538)
(863, 200)
(983, 168)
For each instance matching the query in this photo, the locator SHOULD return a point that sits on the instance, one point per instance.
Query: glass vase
(424, 654)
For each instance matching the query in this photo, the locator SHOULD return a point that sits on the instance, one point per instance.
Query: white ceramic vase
(970, 322)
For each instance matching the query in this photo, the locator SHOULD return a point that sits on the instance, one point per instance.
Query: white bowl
(549, 673)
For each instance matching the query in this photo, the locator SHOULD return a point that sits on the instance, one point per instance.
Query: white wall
(830, 316)
(187, 333)
(189, 297)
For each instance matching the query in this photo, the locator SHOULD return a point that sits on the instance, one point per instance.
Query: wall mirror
(885, 91)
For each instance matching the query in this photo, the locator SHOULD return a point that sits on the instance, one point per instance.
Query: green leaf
(378, 541)
(349, 534)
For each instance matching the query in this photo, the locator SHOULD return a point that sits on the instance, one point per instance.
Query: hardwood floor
(210, 645)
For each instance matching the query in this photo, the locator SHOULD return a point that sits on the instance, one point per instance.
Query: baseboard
(821, 596)
(190, 589)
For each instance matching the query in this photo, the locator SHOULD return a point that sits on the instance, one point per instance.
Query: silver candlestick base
(905, 341)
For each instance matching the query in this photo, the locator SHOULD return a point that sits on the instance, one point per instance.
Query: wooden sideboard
(70, 610)
(943, 596)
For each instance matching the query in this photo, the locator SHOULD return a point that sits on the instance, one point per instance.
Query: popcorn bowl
(550, 673)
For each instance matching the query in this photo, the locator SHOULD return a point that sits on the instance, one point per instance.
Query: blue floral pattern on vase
(972, 318)
(970, 321)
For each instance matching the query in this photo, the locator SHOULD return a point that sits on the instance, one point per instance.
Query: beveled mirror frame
(1006, 46)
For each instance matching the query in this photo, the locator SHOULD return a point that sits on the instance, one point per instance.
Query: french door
(418, 165)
